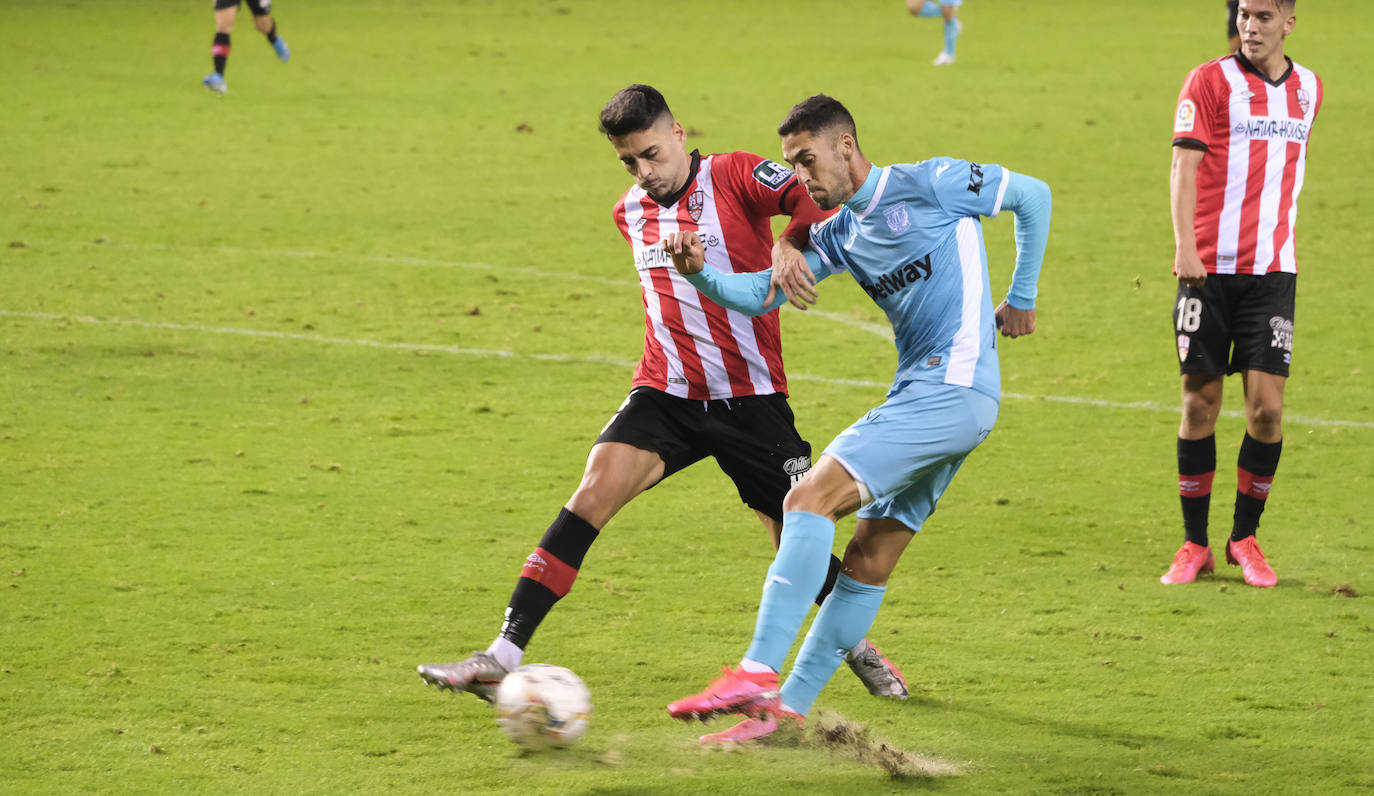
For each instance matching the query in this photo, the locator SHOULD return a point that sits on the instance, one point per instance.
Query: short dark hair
(814, 114)
(633, 108)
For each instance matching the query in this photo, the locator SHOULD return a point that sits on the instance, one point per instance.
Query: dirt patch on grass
(852, 739)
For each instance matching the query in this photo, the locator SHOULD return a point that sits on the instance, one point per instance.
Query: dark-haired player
(225, 13)
(710, 382)
(910, 235)
(1239, 159)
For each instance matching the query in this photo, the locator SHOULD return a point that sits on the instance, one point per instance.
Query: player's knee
(1267, 416)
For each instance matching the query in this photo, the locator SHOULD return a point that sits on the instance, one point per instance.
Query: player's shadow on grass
(1093, 732)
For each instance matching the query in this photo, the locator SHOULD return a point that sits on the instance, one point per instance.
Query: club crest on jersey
(773, 175)
(897, 219)
(695, 202)
(1183, 341)
(1304, 100)
(1183, 120)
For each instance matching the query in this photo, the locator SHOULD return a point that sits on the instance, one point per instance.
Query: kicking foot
(779, 724)
(735, 691)
(283, 52)
(215, 82)
(480, 674)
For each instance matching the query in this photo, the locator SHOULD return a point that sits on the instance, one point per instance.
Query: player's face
(1263, 25)
(655, 157)
(821, 163)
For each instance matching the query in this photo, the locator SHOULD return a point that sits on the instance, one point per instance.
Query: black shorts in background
(1236, 322)
(260, 8)
(754, 440)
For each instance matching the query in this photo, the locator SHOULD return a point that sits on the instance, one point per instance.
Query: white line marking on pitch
(1148, 406)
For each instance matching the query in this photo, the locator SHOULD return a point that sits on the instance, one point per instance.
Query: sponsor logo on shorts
(1283, 334)
(1183, 120)
(1183, 342)
(934, 362)
(797, 465)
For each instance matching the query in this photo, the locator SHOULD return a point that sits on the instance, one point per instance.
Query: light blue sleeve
(744, 293)
(1030, 202)
(964, 188)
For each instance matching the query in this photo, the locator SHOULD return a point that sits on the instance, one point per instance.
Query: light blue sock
(797, 573)
(842, 623)
(930, 9)
(951, 34)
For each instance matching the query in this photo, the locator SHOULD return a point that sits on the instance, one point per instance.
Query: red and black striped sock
(1197, 464)
(548, 574)
(1255, 468)
(220, 51)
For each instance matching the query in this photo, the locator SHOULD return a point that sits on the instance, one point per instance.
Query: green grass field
(291, 381)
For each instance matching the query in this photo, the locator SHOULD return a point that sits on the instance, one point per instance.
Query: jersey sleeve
(1196, 112)
(965, 188)
(821, 252)
(767, 188)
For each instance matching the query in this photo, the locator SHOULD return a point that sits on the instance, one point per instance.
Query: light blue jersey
(911, 238)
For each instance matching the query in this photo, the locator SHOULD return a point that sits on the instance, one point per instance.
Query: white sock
(506, 653)
(754, 667)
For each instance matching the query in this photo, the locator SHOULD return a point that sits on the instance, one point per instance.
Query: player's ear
(679, 134)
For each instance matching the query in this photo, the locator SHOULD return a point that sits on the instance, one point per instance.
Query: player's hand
(792, 275)
(687, 251)
(1189, 269)
(1013, 322)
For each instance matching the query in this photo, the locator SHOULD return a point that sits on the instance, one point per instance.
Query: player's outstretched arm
(1030, 202)
(744, 292)
(792, 274)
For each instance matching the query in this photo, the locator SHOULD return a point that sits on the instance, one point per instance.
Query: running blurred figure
(225, 12)
(949, 10)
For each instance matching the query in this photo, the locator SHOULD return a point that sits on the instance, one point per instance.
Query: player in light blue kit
(910, 235)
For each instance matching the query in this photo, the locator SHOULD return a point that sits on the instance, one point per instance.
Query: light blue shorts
(906, 451)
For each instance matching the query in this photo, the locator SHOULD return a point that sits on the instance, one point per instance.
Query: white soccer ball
(540, 706)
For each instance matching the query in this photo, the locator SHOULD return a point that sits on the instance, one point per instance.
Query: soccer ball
(540, 706)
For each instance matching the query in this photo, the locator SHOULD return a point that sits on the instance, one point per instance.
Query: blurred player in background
(948, 10)
(710, 382)
(910, 235)
(1239, 158)
(225, 12)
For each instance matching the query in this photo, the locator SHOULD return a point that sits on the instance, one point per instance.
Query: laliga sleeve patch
(1183, 120)
(773, 175)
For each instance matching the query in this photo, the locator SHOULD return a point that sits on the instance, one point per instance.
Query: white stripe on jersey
(741, 326)
(677, 380)
(1001, 192)
(964, 349)
(1237, 170)
(877, 193)
(695, 322)
(1288, 259)
(1276, 159)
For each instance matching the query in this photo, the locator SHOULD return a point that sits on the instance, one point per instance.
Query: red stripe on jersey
(718, 322)
(544, 567)
(1197, 485)
(686, 346)
(1292, 153)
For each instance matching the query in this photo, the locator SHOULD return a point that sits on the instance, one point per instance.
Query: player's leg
(923, 8)
(225, 12)
(638, 448)
(1264, 345)
(1202, 325)
(267, 26)
(949, 10)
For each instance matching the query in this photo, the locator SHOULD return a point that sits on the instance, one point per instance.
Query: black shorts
(754, 440)
(1236, 322)
(1232, 8)
(260, 8)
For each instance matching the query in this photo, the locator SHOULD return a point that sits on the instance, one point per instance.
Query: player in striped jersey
(1239, 157)
(710, 383)
(910, 235)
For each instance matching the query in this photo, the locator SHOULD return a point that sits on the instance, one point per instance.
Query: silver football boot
(877, 673)
(480, 674)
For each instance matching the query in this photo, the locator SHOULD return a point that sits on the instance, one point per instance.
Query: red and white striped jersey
(1254, 131)
(693, 347)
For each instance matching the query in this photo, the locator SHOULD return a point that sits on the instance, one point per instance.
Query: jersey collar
(864, 199)
(1249, 67)
(691, 178)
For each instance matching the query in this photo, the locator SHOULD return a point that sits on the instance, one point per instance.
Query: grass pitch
(294, 378)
